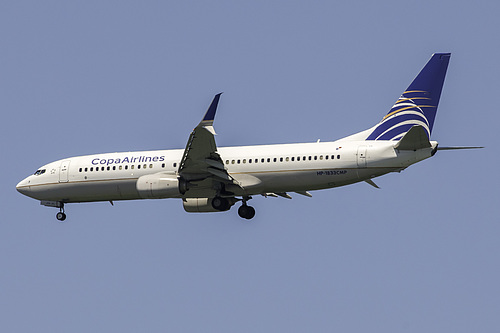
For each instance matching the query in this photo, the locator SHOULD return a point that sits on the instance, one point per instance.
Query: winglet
(208, 119)
(210, 114)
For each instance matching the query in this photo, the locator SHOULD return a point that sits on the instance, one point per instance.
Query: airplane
(211, 179)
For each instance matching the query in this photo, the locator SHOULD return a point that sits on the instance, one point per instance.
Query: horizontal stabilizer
(416, 138)
(456, 148)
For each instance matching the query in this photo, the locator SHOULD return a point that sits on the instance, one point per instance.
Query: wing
(201, 166)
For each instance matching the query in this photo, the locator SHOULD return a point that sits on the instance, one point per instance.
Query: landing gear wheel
(61, 216)
(221, 204)
(246, 212)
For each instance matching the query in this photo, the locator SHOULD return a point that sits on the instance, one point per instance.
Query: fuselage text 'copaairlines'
(126, 159)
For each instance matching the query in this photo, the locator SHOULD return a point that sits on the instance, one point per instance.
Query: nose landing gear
(61, 216)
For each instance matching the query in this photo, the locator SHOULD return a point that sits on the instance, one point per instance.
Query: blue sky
(420, 254)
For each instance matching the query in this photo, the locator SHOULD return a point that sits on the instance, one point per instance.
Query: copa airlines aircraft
(211, 179)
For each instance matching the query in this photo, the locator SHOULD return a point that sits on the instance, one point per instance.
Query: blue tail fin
(418, 104)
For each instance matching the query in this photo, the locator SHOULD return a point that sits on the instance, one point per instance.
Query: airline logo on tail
(417, 105)
(406, 113)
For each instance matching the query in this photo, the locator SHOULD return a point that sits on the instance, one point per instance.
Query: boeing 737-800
(211, 179)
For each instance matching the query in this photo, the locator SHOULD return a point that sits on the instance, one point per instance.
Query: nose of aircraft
(23, 187)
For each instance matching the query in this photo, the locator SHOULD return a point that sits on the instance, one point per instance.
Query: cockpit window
(39, 172)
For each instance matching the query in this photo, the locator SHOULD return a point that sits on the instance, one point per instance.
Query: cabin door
(64, 172)
(361, 157)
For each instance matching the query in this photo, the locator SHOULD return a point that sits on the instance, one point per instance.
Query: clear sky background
(419, 255)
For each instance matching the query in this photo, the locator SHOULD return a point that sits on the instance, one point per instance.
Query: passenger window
(338, 157)
(139, 166)
(163, 165)
(132, 167)
(239, 161)
(86, 169)
(80, 170)
(92, 169)
(275, 159)
(310, 158)
(244, 161)
(114, 167)
(268, 160)
(126, 167)
(293, 158)
(249, 160)
(102, 168)
(175, 165)
(109, 168)
(321, 157)
(287, 159)
(262, 160)
(151, 166)
(315, 158)
(120, 167)
(333, 157)
(227, 161)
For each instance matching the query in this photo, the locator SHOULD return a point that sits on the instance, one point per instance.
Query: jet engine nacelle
(204, 205)
(159, 186)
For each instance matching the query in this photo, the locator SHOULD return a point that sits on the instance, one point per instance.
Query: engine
(206, 205)
(159, 185)
(198, 205)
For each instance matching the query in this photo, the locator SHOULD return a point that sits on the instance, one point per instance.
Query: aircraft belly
(369, 173)
(302, 180)
(87, 191)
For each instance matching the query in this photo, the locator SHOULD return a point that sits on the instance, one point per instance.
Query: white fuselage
(257, 169)
(212, 179)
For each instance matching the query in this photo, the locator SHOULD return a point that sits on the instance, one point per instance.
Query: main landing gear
(224, 204)
(245, 211)
(61, 216)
